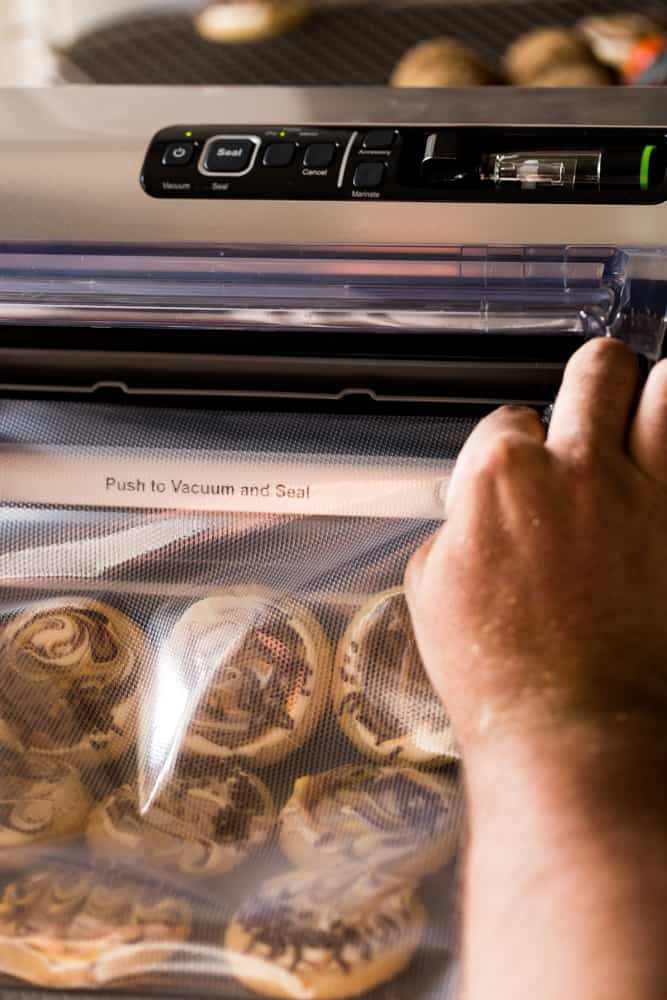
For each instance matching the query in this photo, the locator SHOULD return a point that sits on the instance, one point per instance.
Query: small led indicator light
(282, 134)
(188, 135)
(644, 167)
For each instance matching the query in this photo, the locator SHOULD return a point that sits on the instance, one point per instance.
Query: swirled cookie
(68, 676)
(324, 936)
(249, 20)
(395, 818)
(41, 801)
(261, 670)
(201, 827)
(74, 928)
(382, 696)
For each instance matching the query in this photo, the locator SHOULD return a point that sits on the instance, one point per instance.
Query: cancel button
(228, 156)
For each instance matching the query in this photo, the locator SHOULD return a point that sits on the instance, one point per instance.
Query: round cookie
(200, 827)
(536, 51)
(394, 818)
(249, 20)
(324, 936)
(573, 75)
(382, 696)
(42, 801)
(260, 669)
(442, 62)
(63, 928)
(69, 670)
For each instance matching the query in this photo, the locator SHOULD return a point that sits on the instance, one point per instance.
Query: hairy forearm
(566, 873)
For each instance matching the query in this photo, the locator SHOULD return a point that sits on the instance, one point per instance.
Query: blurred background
(324, 42)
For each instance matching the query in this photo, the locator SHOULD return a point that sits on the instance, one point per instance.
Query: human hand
(542, 602)
(539, 609)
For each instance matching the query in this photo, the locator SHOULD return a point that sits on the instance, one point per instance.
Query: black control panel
(441, 163)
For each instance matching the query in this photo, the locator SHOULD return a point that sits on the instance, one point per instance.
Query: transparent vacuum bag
(223, 769)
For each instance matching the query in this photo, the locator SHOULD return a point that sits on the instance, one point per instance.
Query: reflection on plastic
(167, 707)
(222, 763)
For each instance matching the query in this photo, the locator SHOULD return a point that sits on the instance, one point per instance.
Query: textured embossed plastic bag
(222, 768)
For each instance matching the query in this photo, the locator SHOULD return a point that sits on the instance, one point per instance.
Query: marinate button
(369, 175)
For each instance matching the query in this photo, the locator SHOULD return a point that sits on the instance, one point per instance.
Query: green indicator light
(282, 134)
(188, 135)
(644, 167)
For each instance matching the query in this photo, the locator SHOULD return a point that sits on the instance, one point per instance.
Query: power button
(178, 154)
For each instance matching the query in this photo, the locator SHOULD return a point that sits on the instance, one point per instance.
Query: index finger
(495, 441)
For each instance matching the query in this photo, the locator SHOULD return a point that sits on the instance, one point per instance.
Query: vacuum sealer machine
(397, 243)
(243, 335)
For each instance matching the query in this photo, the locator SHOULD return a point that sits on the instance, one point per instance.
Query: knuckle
(594, 460)
(583, 455)
(507, 452)
(593, 484)
(513, 417)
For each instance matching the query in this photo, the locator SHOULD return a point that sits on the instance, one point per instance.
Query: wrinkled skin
(540, 610)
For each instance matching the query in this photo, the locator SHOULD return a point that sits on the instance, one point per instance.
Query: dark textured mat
(354, 46)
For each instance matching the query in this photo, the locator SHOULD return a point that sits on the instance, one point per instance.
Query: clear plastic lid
(469, 290)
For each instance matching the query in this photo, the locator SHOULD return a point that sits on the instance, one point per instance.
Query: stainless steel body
(72, 159)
